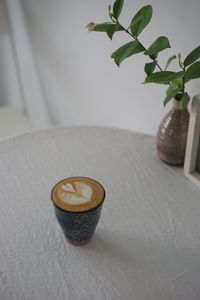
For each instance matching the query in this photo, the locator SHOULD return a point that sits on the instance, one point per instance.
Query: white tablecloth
(147, 244)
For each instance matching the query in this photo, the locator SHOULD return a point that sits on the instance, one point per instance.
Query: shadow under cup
(79, 227)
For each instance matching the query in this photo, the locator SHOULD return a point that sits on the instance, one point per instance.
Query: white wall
(9, 88)
(82, 83)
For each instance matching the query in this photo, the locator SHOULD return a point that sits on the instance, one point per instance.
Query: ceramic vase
(172, 136)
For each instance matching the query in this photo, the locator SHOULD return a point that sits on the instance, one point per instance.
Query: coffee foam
(77, 194)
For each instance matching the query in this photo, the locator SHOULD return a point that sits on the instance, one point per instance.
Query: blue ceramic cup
(77, 204)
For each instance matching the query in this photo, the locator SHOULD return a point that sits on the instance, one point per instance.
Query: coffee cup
(77, 204)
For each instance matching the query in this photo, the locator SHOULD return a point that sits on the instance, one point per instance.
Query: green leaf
(183, 104)
(112, 29)
(180, 62)
(126, 50)
(163, 77)
(170, 88)
(178, 83)
(169, 61)
(175, 84)
(150, 67)
(110, 11)
(160, 44)
(170, 95)
(141, 20)
(104, 27)
(153, 56)
(193, 56)
(193, 71)
(117, 8)
(109, 28)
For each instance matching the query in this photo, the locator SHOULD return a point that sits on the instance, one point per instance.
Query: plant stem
(184, 80)
(135, 38)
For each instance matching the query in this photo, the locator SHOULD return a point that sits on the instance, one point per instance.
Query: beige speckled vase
(172, 136)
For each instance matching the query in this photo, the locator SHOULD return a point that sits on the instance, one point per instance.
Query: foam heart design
(77, 193)
(68, 187)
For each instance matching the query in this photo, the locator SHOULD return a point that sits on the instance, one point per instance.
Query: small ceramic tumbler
(77, 204)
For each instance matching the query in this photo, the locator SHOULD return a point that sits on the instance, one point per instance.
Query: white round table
(147, 243)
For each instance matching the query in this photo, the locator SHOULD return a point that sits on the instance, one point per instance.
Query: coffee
(77, 194)
(77, 203)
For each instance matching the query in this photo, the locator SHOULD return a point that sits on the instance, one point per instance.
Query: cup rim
(78, 212)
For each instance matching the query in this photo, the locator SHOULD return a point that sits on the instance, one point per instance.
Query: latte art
(77, 194)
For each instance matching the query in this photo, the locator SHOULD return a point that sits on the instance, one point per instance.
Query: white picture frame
(192, 155)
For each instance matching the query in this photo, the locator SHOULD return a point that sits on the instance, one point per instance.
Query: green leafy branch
(190, 67)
